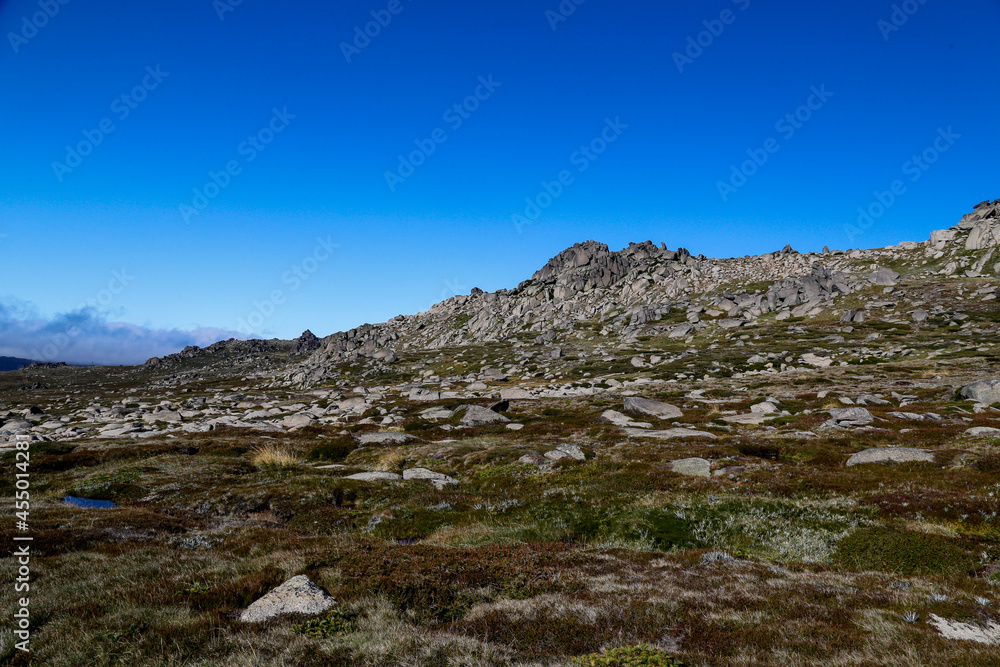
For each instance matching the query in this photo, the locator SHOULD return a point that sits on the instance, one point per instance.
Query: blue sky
(300, 226)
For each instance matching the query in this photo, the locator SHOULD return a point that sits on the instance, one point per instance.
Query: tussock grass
(274, 456)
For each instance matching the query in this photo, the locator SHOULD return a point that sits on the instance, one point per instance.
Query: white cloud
(85, 336)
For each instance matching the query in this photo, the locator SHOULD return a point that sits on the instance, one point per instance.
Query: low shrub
(631, 656)
(334, 622)
(331, 451)
(901, 551)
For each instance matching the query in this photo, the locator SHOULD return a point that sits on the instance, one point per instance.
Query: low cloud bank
(85, 336)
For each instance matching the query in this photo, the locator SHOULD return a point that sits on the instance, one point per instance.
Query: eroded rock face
(305, 343)
(298, 595)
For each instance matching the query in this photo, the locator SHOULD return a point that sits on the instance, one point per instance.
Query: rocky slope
(588, 289)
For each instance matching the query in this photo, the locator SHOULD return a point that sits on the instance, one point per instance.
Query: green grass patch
(902, 552)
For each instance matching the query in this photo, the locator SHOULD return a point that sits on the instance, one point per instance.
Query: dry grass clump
(274, 456)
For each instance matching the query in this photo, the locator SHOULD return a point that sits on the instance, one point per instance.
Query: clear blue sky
(449, 225)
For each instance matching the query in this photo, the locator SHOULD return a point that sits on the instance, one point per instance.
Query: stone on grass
(573, 450)
(16, 426)
(516, 392)
(907, 416)
(298, 595)
(748, 418)
(669, 434)
(476, 415)
(299, 420)
(376, 476)
(694, 467)
(386, 438)
(437, 413)
(981, 634)
(439, 480)
(983, 391)
(982, 431)
(422, 394)
(894, 454)
(652, 408)
(765, 408)
(816, 360)
(619, 419)
(884, 277)
(851, 416)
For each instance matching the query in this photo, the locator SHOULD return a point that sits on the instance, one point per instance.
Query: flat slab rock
(375, 477)
(982, 634)
(669, 433)
(298, 595)
(694, 467)
(619, 419)
(439, 480)
(893, 454)
(386, 438)
(982, 431)
(516, 392)
(652, 408)
(749, 418)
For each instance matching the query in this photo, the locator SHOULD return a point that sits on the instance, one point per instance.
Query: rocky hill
(588, 292)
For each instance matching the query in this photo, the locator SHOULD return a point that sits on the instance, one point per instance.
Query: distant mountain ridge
(14, 363)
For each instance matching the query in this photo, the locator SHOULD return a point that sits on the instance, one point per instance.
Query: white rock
(376, 476)
(652, 408)
(894, 454)
(516, 392)
(386, 438)
(619, 419)
(298, 595)
(439, 480)
(669, 433)
(816, 360)
(694, 467)
(982, 634)
(982, 431)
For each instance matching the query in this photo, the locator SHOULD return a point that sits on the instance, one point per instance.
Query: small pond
(88, 503)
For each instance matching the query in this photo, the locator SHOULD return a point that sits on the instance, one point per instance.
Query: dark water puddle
(88, 503)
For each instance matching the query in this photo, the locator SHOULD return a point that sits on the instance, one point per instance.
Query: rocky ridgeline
(239, 351)
(624, 292)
